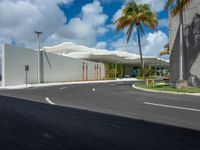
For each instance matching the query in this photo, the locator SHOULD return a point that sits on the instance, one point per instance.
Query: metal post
(39, 59)
(100, 72)
(165, 68)
(97, 71)
(26, 68)
(155, 70)
(83, 71)
(87, 71)
(26, 77)
(115, 70)
(94, 71)
(121, 71)
(160, 69)
(181, 48)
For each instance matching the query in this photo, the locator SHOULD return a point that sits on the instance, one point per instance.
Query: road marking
(175, 107)
(49, 101)
(62, 88)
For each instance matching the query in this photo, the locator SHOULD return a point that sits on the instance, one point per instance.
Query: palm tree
(166, 50)
(139, 15)
(179, 7)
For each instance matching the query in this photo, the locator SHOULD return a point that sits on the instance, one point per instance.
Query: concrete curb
(62, 83)
(165, 92)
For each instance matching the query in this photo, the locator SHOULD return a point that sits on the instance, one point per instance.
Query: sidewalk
(63, 83)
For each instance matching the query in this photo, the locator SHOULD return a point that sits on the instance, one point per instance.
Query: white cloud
(79, 31)
(122, 45)
(20, 18)
(157, 5)
(118, 14)
(101, 45)
(101, 31)
(163, 22)
(85, 28)
(93, 14)
(152, 44)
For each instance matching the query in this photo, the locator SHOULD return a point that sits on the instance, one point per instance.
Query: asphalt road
(107, 116)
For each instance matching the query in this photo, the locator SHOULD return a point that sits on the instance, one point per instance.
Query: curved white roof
(70, 49)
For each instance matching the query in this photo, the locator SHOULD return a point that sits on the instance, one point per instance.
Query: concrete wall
(54, 68)
(191, 44)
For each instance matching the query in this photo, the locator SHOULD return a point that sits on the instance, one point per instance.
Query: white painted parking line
(174, 107)
(49, 101)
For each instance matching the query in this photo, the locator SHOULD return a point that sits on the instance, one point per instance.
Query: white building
(65, 62)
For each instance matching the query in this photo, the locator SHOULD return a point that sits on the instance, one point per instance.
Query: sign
(26, 67)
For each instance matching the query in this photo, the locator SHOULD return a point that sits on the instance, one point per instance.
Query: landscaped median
(166, 88)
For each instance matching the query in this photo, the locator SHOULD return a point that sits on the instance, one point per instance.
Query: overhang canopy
(70, 49)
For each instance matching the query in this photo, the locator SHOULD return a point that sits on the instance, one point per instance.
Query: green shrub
(148, 72)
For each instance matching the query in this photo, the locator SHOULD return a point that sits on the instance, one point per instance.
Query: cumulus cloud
(157, 5)
(85, 28)
(101, 45)
(102, 30)
(152, 44)
(118, 14)
(20, 18)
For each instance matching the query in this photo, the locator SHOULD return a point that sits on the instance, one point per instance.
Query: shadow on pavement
(27, 125)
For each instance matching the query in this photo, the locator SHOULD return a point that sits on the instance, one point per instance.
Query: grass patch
(167, 87)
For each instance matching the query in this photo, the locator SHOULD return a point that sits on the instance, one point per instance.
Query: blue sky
(86, 22)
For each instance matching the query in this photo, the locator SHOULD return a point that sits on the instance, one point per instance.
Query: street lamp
(39, 59)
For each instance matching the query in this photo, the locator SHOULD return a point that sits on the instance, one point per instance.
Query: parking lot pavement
(97, 116)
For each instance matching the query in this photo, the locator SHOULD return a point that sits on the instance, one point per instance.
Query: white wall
(56, 68)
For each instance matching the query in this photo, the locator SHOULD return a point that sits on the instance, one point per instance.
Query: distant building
(69, 62)
(130, 61)
(191, 18)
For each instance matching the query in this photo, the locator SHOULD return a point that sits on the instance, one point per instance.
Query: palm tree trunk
(140, 49)
(181, 48)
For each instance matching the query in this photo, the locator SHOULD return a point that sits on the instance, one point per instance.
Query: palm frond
(129, 31)
(165, 52)
(169, 3)
(136, 14)
(122, 22)
(180, 6)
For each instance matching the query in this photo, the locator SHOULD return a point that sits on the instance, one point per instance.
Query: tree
(179, 7)
(166, 50)
(139, 15)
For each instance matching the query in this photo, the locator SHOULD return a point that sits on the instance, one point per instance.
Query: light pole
(39, 59)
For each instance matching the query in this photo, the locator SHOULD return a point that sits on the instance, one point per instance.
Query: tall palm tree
(166, 50)
(137, 15)
(179, 7)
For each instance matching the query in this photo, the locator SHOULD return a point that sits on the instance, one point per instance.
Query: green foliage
(139, 14)
(115, 71)
(178, 7)
(148, 72)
